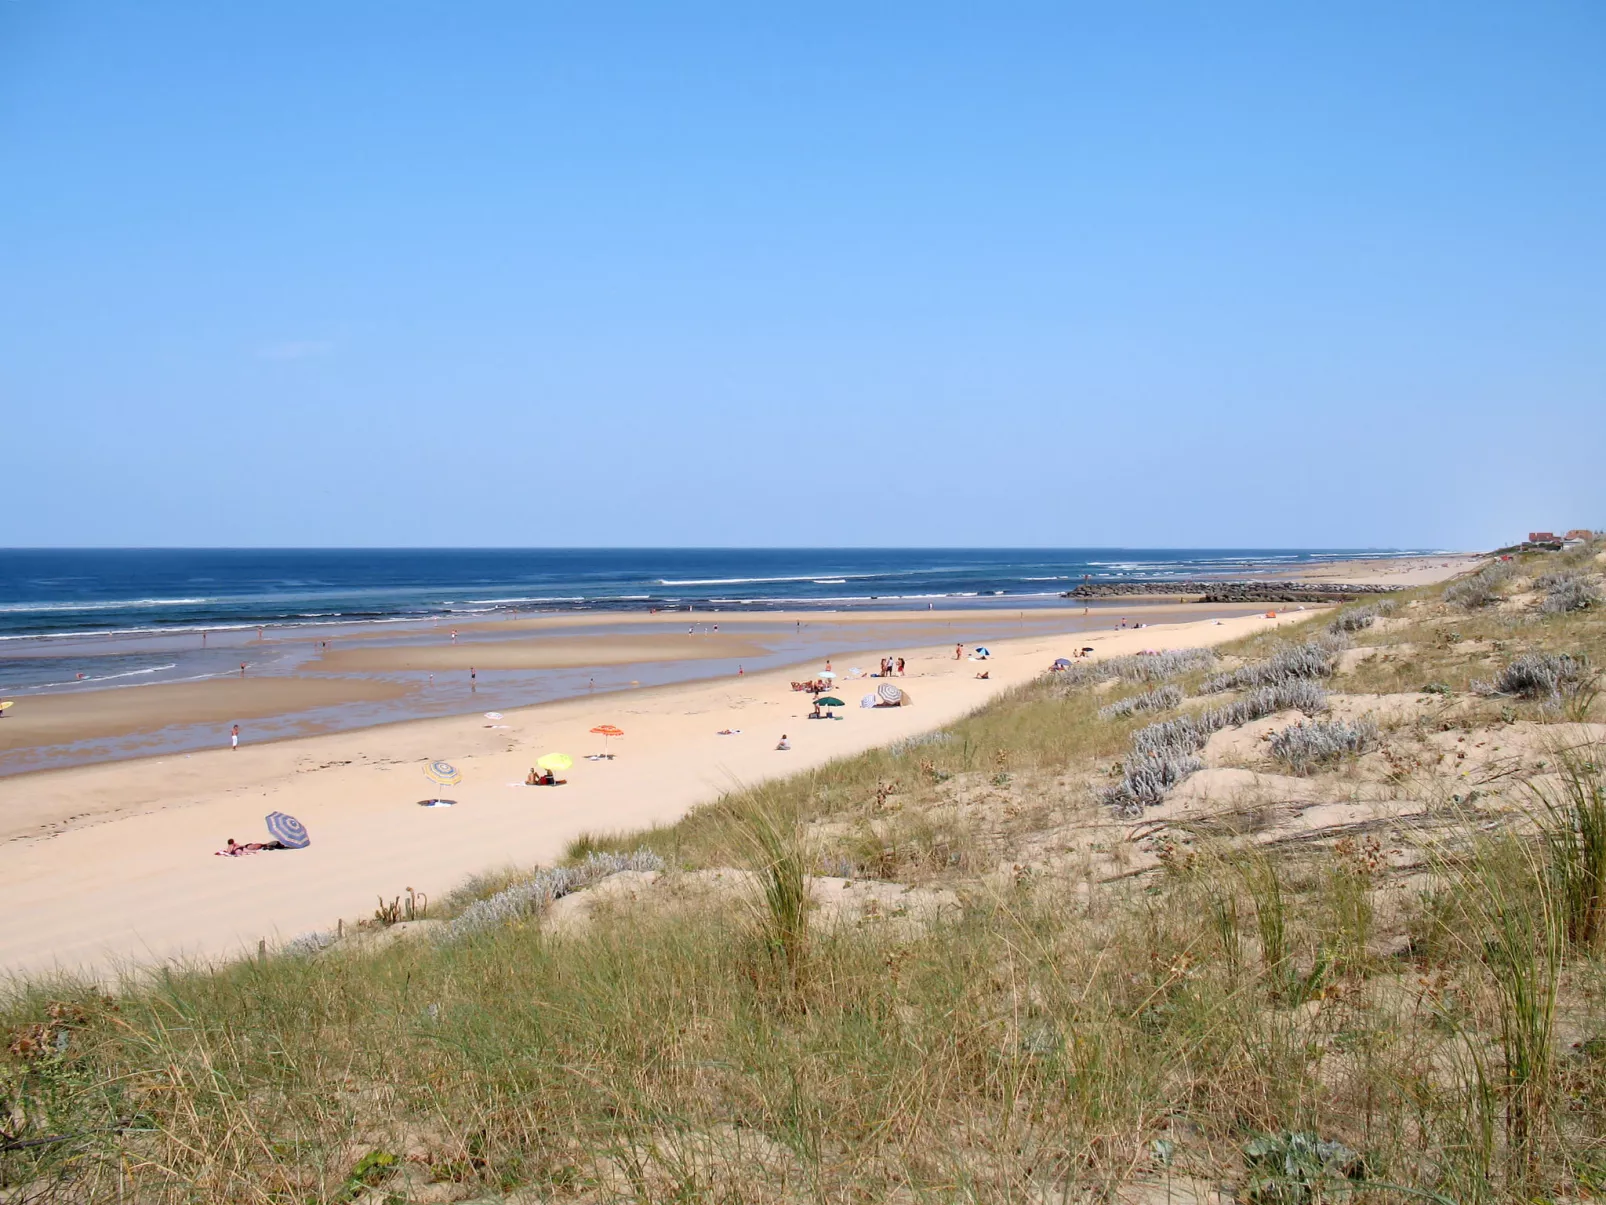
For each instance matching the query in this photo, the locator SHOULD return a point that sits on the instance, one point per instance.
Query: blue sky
(902, 274)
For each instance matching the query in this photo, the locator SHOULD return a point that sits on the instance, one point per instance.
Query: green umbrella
(828, 701)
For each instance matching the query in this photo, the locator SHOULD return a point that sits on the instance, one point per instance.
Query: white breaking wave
(745, 581)
(25, 608)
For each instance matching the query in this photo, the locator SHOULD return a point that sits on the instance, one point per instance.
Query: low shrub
(1535, 676)
(1136, 667)
(1356, 619)
(1162, 698)
(1482, 588)
(1575, 592)
(529, 896)
(1314, 659)
(1165, 752)
(1304, 747)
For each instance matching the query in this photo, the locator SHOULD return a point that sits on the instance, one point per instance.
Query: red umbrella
(605, 731)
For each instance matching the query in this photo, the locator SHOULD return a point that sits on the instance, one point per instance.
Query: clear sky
(393, 273)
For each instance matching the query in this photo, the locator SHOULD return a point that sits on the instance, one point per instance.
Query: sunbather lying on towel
(235, 850)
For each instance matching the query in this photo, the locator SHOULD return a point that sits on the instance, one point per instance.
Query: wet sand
(551, 652)
(94, 715)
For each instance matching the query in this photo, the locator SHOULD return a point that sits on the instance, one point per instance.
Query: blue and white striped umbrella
(287, 831)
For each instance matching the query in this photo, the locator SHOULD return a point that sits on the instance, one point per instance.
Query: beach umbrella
(1062, 662)
(554, 761)
(287, 831)
(5, 703)
(605, 731)
(442, 773)
(983, 652)
(868, 701)
(493, 715)
(830, 701)
(889, 693)
(827, 674)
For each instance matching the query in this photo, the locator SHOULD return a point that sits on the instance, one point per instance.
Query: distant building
(1543, 537)
(1580, 533)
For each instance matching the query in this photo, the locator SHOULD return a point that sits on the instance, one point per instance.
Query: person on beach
(242, 669)
(234, 737)
(900, 667)
(784, 743)
(234, 850)
(959, 651)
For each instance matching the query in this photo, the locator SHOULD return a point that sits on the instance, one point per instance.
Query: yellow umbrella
(554, 761)
(4, 703)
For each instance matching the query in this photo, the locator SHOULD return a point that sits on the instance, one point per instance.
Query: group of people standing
(891, 665)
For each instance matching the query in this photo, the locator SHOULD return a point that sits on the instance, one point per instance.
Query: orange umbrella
(605, 731)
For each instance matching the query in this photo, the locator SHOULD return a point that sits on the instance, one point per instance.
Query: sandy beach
(1405, 572)
(372, 677)
(113, 864)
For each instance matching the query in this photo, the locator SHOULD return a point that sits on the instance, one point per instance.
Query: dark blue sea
(70, 592)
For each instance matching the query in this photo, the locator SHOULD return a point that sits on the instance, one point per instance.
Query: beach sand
(113, 864)
(1395, 571)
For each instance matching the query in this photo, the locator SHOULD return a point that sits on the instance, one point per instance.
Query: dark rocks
(1231, 591)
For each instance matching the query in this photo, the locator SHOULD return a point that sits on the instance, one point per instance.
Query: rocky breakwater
(1230, 591)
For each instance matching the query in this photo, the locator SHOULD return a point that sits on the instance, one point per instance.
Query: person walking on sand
(959, 651)
(234, 737)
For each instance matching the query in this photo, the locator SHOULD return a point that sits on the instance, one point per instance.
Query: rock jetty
(1231, 591)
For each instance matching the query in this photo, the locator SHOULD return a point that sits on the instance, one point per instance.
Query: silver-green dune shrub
(1574, 592)
(1166, 752)
(1162, 698)
(1535, 676)
(1304, 747)
(528, 897)
(1356, 619)
(1135, 667)
(1314, 659)
(1482, 588)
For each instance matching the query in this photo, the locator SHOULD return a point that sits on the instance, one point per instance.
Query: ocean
(50, 594)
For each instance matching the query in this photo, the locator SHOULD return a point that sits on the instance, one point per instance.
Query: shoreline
(112, 863)
(541, 660)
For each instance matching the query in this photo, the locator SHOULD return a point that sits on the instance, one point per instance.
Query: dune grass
(1304, 1021)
